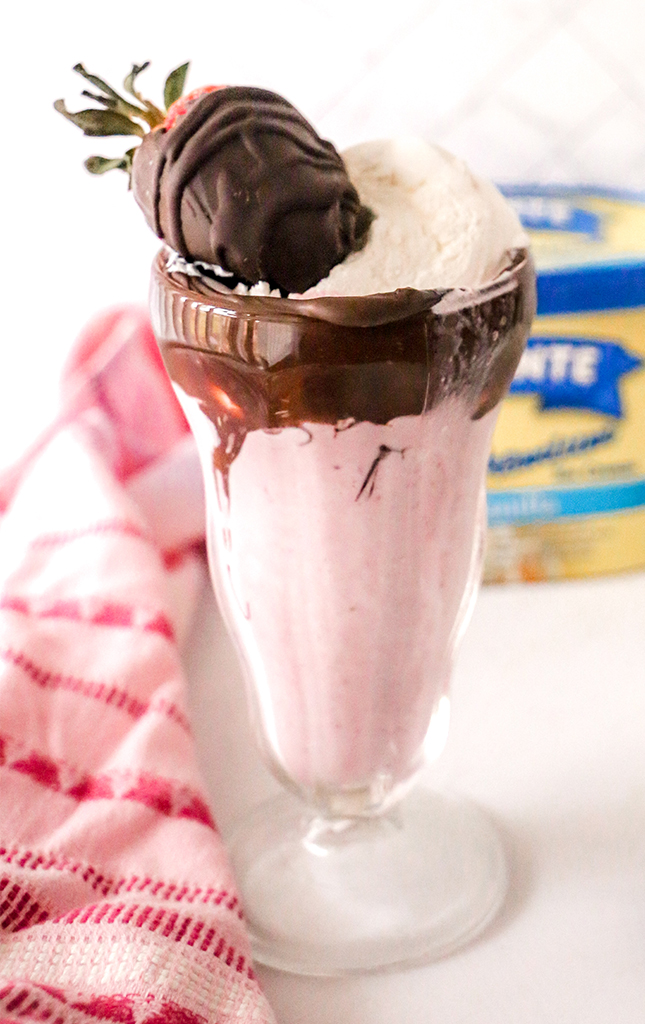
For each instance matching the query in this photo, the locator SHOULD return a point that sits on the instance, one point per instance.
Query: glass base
(331, 897)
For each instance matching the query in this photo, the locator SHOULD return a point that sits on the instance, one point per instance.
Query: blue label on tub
(618, 285)
(592, 276)
(535, 504)
(574, 373)
(551, 213)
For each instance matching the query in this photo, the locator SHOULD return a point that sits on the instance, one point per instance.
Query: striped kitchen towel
(116, 899)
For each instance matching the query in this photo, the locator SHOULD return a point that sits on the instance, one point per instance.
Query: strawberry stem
(117, 115)
(151, 114)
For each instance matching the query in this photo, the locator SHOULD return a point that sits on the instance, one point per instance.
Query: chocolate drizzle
(253, 364)
(243, 181)
(369, 483)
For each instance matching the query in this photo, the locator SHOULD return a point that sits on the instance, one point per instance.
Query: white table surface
(548, 733)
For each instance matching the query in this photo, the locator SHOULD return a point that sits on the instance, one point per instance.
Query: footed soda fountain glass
(344, 444)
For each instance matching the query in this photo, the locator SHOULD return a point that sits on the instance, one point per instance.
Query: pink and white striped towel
(116, 899)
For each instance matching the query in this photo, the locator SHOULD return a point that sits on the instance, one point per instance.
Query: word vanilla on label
(566, 477)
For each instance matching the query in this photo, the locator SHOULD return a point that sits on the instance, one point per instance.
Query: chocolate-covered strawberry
(234, 177)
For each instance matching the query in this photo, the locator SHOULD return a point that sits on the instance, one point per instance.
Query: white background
(549, 701)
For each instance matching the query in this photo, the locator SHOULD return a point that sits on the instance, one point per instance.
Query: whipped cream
(437, 225)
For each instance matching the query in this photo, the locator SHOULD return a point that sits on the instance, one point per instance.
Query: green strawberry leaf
(120, 105)
(174, 85)
(106, 101)
(98, 82)
(101, 164)
(100, 122)
(152, 115)
(114, 101)
(129, 81)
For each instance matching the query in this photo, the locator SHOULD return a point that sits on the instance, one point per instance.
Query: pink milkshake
(347, 559)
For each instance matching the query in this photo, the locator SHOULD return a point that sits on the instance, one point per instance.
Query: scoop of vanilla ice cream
(437, 225)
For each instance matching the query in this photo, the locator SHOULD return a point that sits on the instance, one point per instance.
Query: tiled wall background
(546, 90)
(523, 89)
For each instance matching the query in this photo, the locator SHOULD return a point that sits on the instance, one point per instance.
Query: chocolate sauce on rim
(243, 180)
(256, 363)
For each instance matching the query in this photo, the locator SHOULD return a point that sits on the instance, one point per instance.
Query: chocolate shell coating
(334, 359)
(243, 181)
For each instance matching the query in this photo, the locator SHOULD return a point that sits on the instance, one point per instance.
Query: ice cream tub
(566, 476)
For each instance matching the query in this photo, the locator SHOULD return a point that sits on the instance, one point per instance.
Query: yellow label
(566, 476)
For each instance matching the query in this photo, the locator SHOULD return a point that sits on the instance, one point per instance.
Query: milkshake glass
(344, 444)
